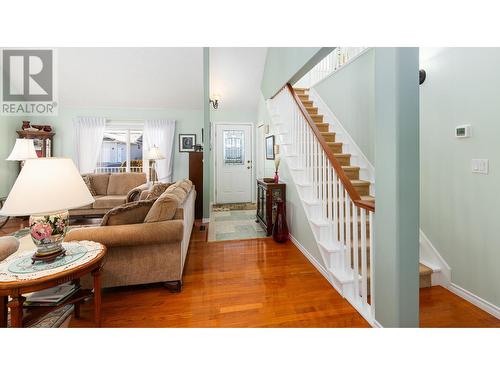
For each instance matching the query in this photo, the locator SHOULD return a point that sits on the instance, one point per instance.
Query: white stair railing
(336, 59)
(342, 223)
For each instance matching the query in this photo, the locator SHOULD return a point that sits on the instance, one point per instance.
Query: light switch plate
(480, 166)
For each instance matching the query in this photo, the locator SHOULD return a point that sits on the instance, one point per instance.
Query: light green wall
(8, 169)
(208, 185)
(288, 64)
(349, 93)
(188, 121)
(459, 209)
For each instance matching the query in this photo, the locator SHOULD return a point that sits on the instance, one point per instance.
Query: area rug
(234, 225)
(234, 207)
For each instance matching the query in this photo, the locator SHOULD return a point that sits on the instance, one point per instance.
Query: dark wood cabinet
(196, 176)
(41, 139)
(267, 194)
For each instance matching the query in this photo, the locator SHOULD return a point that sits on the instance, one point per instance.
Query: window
(233, 147)
(121, 149)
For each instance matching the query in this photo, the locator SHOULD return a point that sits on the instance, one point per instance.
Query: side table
(17, 279)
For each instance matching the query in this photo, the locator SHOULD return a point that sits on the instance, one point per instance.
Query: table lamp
(154, 154)
(46, 189)
(23, 149)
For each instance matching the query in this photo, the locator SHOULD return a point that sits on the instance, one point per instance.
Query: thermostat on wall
(463, 131)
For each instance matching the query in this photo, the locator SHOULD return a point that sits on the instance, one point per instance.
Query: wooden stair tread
(368, 198)
(360, 183)
(342, 155)
(350, 168)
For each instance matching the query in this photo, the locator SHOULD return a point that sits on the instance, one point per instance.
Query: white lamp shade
(23, 149)
(155, 154)
(46, 185)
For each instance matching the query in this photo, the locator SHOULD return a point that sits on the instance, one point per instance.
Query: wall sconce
(421, 76)
(214, 100)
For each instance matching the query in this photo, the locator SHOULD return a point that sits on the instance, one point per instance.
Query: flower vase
(48, 231)
(276, 177)
(280, 227)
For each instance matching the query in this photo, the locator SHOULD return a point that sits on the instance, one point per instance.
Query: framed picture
(270, 147)
(187, 142)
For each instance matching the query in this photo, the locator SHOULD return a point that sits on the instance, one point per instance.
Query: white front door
(233, 163)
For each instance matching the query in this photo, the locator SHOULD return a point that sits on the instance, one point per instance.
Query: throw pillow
(180, 193)
(128, 213)
(157, 190)
(186, 185)
(163, 209)
(88, 181)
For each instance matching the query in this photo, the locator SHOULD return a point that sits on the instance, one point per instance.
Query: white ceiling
(131, 77)
(236, 75)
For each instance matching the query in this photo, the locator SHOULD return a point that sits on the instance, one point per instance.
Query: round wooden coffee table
(17, 277)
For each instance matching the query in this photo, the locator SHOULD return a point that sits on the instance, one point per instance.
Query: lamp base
(47, 232)
(43, 257)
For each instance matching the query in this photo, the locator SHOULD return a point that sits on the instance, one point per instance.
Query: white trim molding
(430, 257)
(475, 300)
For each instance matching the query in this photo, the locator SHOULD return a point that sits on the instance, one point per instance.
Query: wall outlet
(480, 166)
(463, 131)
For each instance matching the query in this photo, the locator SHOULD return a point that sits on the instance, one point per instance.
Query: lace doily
(21, 268)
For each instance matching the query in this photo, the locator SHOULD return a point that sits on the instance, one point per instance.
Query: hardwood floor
(255, 283)
(250, 283)
(441, 308)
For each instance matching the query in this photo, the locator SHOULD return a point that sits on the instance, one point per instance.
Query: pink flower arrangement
(41, 231)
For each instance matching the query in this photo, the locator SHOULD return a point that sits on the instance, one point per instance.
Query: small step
(317, 118)
(343, 159)
(328, 136)
(303, 97)
(312, 110)
(361, 186)
(307, 103)
(351, 171)
(425, 276)
(336, 147)
(323, 127)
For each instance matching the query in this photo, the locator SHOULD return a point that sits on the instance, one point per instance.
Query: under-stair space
(338, 203)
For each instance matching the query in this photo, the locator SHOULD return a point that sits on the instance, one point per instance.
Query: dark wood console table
(267, 193)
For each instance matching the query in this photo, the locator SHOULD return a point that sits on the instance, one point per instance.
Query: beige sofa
(145, 252)
(111, 190)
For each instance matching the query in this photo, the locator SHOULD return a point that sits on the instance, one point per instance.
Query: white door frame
(214, 154)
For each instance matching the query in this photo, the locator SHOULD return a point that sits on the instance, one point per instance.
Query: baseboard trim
(475, 300)
(376, 324)
(311, 259)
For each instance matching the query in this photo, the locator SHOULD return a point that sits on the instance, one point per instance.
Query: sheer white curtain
(89, 132)
(160, 133)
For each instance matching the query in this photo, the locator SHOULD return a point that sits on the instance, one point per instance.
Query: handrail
(353, 193)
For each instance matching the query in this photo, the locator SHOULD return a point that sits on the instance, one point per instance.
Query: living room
(233, 186)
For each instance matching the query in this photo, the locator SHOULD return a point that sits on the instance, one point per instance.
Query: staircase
(338, 204)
